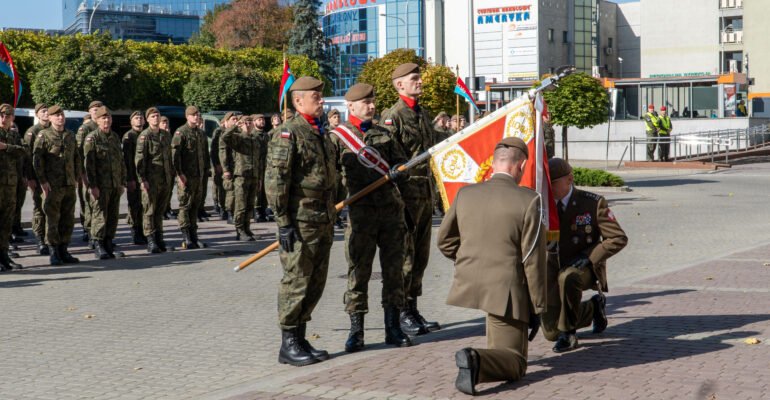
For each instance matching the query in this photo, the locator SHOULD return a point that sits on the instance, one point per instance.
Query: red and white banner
(466, 157)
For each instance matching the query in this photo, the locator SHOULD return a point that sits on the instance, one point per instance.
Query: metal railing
(711, 144)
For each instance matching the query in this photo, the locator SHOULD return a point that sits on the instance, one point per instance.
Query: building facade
(142, 20)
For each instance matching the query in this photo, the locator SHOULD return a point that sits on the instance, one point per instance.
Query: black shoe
(65, 255)
(600, 313)
(261, 215)
(19, 231)
(195, 240)
(99, 252)
(13, 254)
(16, 239)
(224, 216)
(292, 352)
(230, 219)
(339, 223)
(429, 325)
(86, 237)
(167, 215)
(468, 362)
(54, 258)
(244, 236)
(320, 355)
(567, 341)
(6, 264)
(174, 213)
(393, 333)
(355, 340)
(42, 249)
(160, 242)
(109, 246)
(217, 209)
(204, 214)
(152, 247)
(411, 325)
(138, 238)
(187, 242)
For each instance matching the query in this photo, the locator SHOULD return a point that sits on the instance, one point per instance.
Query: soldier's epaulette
(592, 196)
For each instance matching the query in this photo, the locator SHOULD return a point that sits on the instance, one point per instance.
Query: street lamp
(90, 20)
(406, 27)
(620, 60)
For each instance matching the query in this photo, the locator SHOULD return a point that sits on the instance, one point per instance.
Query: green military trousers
(105, 212)
(417, 245)
(59, 209)
(246, 190)
(84, 198)
(8, 199)
(652, 138)
(21, 196)
(219, 190)
(505, 358)
(370, 227)
(134, 218)
(229, 186)
(154, 203)
(565, 311)
(189, 202)
(304, 273)
(38, 216)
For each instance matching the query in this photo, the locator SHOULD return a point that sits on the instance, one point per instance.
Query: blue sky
(44, 14)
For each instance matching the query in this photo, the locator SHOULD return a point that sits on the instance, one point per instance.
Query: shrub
(596, 177)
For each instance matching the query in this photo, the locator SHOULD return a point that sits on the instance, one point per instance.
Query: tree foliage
(77, 72)
(252, 23)
(158, 71)
(228, 87)
(307, 38)
(205, 36)
(438, 82)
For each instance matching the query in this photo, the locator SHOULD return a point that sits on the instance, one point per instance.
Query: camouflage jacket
(56, 158)
(413, 131)
(247, 149)
(214, 151)
(104, 160)
(29, 146)
(190, 152)
(129, 153)
(88, 127)
(300, 180)
(153, 158)
(9, 158)
(356, 176)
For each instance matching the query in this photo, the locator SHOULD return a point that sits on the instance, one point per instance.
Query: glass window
(550, 35)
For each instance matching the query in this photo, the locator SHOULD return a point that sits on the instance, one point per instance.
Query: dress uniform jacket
(589, 228)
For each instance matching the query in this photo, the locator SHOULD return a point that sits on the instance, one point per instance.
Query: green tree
(438, 91)
(82, 69)
(307, 38)
(228, 87)
(581, 101)
(206, 37)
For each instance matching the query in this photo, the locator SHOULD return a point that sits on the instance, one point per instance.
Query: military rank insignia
(584, 219)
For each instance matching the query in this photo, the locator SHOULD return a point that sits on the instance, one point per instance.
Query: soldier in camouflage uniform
(411, 128)
(227, 159)
(165, 134)
(442, 132)
(189, 150)
(11, 151)
(300, 181)
(375, 221)
(58, 166)
(106, 177)
(154, 169)
(246, 145)
(38, 216)
(549, 136)
(259, 127)
(220, 194)
(88, 126)
(21, 191)
(133, 192)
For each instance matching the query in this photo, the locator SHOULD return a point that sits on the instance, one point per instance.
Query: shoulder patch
(29, 133)
(90, 139)
(39, 135)
(285, 134)
(388, 121)
(592, 196)
(177, 133)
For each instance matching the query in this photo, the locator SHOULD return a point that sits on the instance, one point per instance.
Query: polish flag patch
(285, 134)
(388, 122)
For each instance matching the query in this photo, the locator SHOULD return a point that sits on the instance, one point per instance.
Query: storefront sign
(503, 15)
(349, 38)
(506, 35)
(680, 75)
(342, 5)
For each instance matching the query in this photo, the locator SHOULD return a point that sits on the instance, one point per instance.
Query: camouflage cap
(359, 91)
(150, 111)
(191, 110)
(55, 109)
(558, 168)
(307, 83)
(95, 103)
(135, 113)
(513, 142)
(6, 109)
(40, 106)
(404, 70)
(102, 111)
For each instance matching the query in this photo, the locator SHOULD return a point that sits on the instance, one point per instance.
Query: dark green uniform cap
(150, 111)
(404, 70)
(558, 168)
(359, 91)
(191, 110)
(6, 109)
(307, 83)
(55, 109)
(95, 103)
(134, 114)
(40, 106)
(513, 142)
(102, 111)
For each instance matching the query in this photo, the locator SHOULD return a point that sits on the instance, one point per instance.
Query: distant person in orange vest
(651, 127)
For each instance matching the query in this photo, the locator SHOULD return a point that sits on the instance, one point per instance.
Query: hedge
(596, 177)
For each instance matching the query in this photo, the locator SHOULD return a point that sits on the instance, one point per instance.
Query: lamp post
(93, 11)
(620, 61)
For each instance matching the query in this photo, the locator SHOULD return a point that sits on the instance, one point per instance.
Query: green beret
(135, 113)
(333, 112)
(404, 70)
(359, 91)
(150, 111)
(558, 168)
(307, 83)
(55, 109)
(191, 110)
(95, 103)
(102, 111)
(6, 109)
(513, 142)
(40, 106)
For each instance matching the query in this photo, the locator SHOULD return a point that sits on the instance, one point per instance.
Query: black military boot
(18, 231)
(54, 258)
(109, 245)
(411, 325)
(42, 249)
(86, 237)
(152, 247)
(567, 341)
(99, 252)
(65, 255)
(217, 209)
(6, 264)
(320, 355)
(430, 326)
(393, 333)
(243, 236)
(261, 215)
(292, 352)
(355, 340)
(224, 215)
(187, 242)
(194, 238)
(160, 242)
(138, 237)
(600, 313)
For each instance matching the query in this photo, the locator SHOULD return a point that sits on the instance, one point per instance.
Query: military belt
(313, 194)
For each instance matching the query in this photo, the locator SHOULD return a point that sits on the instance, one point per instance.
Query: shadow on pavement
(641, 341)
(666, 182)
(616, 303)
(35, 282)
